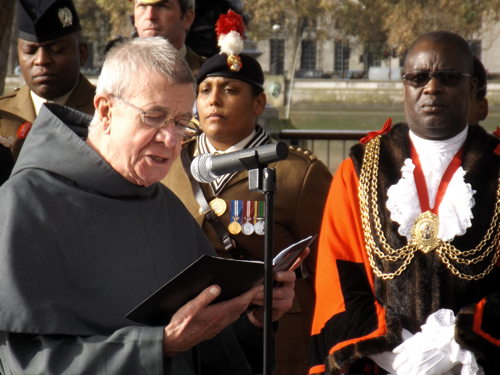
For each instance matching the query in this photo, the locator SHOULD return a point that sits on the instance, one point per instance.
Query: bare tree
(294, 17)
(391, 25)
(380, 26)
(412, 18)
(6, 19)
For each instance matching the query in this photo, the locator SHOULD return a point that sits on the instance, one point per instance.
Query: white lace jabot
(455, 211)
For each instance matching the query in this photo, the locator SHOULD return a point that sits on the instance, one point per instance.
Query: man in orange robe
(407, 272)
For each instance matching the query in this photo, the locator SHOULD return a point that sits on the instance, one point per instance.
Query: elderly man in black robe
(87, 232)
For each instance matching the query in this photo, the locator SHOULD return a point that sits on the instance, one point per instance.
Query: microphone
(207, 167)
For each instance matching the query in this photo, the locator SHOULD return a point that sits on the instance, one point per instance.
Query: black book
(234, 276)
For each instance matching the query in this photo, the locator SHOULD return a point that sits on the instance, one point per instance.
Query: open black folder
(233, 276)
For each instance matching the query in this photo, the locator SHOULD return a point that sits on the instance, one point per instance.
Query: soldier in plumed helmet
(230, 98)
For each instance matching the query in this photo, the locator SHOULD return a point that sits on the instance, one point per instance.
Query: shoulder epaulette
(305, 153)
(10, 94)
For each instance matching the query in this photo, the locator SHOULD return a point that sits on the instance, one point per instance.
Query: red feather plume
(231, 21)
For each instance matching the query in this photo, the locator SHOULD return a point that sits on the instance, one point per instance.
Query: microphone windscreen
(200, 168)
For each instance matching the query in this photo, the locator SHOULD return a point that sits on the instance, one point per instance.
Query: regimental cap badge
(65, 16)
(230, 30)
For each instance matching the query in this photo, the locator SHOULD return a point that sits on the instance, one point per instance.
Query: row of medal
(246, 217)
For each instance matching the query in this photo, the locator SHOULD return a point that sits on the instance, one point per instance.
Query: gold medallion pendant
(234, 227)
(218, 205)
(425, 231)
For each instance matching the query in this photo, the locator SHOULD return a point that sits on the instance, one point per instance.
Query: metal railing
(330, 146)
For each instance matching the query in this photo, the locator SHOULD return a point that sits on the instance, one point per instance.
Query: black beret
(43, 20)
(216, 66)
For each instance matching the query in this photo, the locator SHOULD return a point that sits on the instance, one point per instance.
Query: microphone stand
(264, 179)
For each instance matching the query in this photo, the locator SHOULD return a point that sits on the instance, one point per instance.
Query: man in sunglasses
(407, 275)
(88, 232)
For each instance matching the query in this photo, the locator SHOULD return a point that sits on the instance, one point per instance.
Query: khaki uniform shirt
(17, 108)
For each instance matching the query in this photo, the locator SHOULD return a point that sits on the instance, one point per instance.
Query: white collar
(38, 100)
(236, 147)
(434, 150)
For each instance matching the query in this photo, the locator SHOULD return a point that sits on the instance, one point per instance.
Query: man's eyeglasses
(158, 119)
(444, 77)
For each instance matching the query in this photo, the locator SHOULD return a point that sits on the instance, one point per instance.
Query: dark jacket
(80, 247)
(6, 163)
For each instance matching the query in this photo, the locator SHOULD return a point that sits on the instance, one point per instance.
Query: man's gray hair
(126, 59)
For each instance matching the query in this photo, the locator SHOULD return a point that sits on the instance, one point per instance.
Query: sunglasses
(444, 77)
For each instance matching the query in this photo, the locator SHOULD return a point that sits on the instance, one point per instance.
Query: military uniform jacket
(17, 108)
(358, 313)
(194, 60)
(302, 183)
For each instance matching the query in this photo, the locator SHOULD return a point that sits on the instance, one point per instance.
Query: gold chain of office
(447, 253)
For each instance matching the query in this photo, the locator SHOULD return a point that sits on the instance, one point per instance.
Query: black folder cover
(232, 275)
